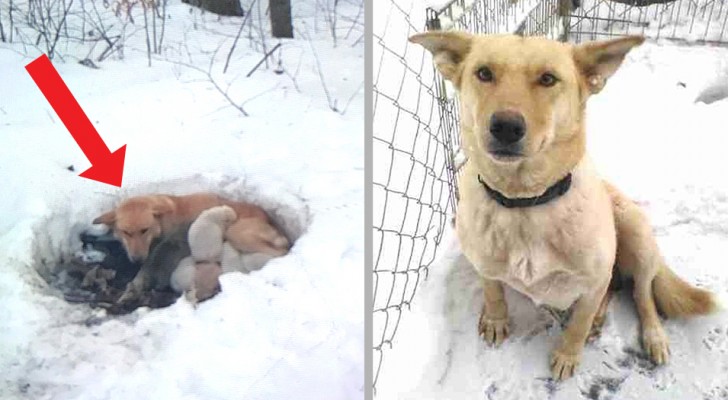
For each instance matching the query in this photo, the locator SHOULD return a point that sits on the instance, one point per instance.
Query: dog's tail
(636, 247)
(677, 298)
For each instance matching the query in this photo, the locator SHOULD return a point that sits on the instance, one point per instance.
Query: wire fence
(416, 117)
(411, 179)
(688, 21)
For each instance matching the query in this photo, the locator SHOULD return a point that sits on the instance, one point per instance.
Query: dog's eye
(126, 233)
(547, 79)
(484, 74)
(144, 231)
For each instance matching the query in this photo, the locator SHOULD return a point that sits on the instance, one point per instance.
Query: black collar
(558, 189)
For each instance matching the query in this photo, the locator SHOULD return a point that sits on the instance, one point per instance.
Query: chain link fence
(411, 192)
(416, 119)
(686, 21)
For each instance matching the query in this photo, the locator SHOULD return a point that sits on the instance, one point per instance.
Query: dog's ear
(597, 61)
(448, 51)
(107, 218)
(163, 206)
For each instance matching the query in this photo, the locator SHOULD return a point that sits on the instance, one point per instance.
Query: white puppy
(206, 233)
(233, 260)
(183, 276)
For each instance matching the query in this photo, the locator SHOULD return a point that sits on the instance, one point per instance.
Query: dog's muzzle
(507, 128)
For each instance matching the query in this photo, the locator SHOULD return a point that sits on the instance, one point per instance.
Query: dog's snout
(507, 126)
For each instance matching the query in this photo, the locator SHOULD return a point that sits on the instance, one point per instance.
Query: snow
(646, 134)
(291, 330)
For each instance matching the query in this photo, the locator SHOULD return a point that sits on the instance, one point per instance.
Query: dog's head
(136, 223)
(522, 96)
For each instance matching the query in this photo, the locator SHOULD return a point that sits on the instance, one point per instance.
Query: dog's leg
(565, 358)
(601, 316)
(493, 324)
(639, 257)
(654, 339)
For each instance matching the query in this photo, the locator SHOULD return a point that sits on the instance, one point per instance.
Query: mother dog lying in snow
(139, 220)
(533, 212)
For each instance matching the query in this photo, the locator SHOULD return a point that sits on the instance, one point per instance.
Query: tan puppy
(206, 233)
(137, 221)
(197, 280)
(251, 235)
(533, 212)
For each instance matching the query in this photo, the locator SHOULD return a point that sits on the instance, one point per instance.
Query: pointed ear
(107, 218)
(448, 51)
(597, 61)
(163, 206)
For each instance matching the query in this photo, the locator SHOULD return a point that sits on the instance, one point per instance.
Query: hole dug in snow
(85, 263)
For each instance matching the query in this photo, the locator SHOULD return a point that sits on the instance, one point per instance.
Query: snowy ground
(648, 136)
(292, 330)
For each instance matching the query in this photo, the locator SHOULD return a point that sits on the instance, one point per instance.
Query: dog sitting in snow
(533, 212)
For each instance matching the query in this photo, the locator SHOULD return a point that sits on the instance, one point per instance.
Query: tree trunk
(280, 18)
(220, 7)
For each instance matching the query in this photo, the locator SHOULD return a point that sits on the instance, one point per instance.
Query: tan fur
(197, 280)
(560, 253)
(206, 281)
(206, 233)
(137, 221)
(675, 298)
(251, 235)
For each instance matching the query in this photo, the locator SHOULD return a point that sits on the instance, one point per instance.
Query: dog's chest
(532, 259)
(551, 253)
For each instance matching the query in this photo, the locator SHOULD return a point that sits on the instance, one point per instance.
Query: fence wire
(411, 179)
(416, 117)
(689, 21)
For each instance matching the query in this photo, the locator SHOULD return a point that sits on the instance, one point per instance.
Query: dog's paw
(493, 331)
(657, 345)
(563, 364)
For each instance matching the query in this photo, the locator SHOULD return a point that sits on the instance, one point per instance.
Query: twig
(356, 20)
(319, 69)
(146, 30)
(58, 29)
(208, 73)
(348, 102)
(164, 23)
(265, 57)
(235, 42)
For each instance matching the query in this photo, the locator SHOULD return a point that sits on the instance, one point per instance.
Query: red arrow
(106, 167)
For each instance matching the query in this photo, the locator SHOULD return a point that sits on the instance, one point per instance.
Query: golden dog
(533, 212)
(139, 220)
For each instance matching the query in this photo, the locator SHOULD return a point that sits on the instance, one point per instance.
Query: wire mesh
(689, 21)
(411, 183)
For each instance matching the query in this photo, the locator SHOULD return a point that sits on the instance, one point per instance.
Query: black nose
(507, 126)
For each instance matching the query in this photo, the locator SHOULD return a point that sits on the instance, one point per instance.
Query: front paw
(493, 330)
(563, 364)
(657, 345)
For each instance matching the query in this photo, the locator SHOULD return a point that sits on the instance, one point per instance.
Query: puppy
(197, 280)
(157, 269)
(235, 261)
(252, 235)
(206, 233)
